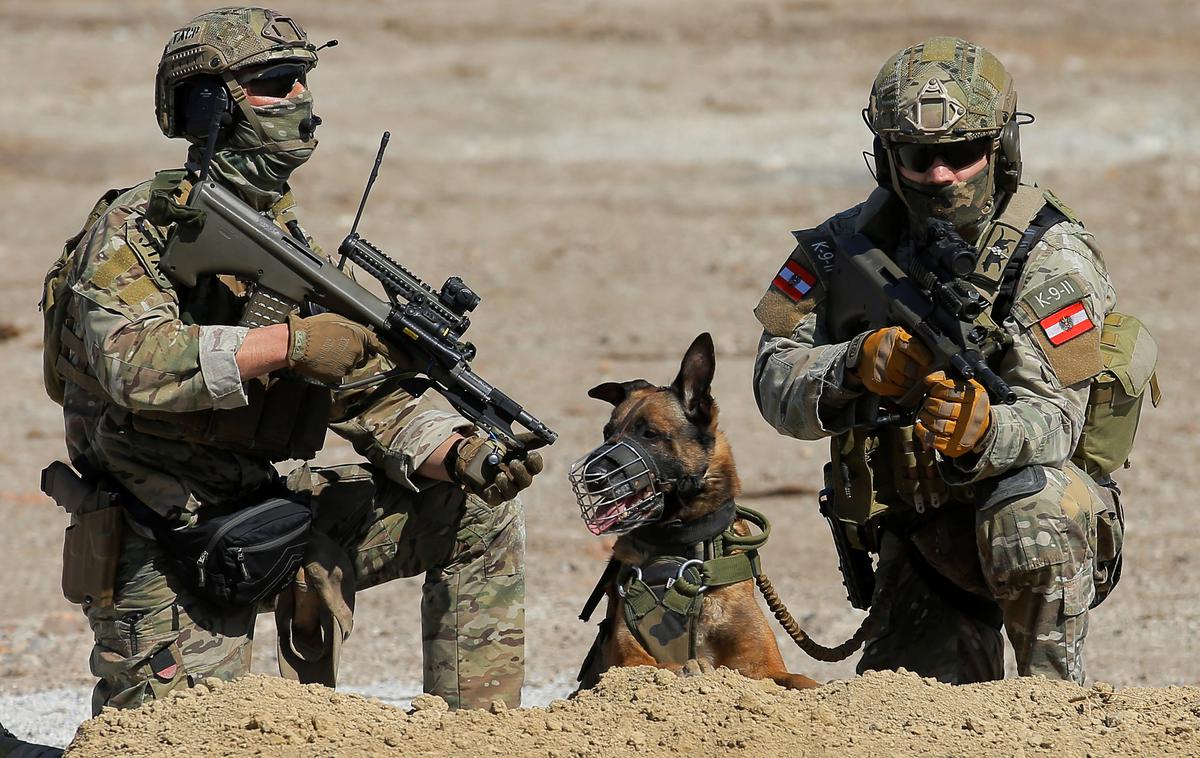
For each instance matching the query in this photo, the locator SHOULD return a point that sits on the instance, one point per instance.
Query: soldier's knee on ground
(1037, 550)
(473, 619)
(1035, 531)
(154, 641)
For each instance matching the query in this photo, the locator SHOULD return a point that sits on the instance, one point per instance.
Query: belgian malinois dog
(666, 469)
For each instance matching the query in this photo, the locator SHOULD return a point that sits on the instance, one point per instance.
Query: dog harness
(664, 596)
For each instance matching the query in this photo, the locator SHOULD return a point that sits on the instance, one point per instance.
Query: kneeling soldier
(175, 418)
(946, 335)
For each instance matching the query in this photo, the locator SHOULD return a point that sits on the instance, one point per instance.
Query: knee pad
(1025, 533)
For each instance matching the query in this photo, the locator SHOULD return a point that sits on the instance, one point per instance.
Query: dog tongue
(607, 519)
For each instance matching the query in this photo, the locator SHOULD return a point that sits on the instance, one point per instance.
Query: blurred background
(613, 178)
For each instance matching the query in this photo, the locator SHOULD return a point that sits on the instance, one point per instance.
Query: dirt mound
(657, 713)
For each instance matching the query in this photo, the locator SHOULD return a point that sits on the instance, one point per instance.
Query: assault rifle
(933, 302)
(285, 273)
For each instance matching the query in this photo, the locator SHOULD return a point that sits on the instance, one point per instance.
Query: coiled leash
(814, 649)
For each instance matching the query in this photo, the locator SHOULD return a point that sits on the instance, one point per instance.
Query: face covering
(966, 204)
(261, 153)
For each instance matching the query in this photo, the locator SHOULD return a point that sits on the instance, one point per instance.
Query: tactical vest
(882, 471)
(286, 416)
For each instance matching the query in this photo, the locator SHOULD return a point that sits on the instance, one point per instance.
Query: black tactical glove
(486, 468)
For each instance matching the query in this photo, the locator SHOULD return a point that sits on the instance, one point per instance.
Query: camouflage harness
(664, 596)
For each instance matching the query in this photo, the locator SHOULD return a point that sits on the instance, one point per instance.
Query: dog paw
(696, 667)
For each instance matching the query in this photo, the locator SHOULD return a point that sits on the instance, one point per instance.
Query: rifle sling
(1047, 217)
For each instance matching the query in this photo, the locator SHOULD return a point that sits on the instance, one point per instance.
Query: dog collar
(676, 533)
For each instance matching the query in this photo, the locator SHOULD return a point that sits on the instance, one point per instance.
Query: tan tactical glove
(486, 468)
(889, 361)
(955, 415)
(327, 347)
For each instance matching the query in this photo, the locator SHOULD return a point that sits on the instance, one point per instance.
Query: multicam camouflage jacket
(800, 368)
(158, 402)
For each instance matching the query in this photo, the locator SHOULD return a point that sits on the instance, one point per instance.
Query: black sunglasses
(275, 81)
(957, 155)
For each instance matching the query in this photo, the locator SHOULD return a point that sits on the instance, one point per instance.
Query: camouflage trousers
(158, 637)
(945, 587)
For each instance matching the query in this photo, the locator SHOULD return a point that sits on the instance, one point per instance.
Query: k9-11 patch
(1066, 324)
(1065, 332)
(794, 280)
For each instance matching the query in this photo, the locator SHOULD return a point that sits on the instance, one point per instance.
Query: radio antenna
(370, 181)
(367, 191)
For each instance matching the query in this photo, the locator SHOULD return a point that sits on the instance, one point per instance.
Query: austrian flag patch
(1067, 324)
(794, 280)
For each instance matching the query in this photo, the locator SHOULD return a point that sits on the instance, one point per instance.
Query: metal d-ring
(637, 574)
(683, 567)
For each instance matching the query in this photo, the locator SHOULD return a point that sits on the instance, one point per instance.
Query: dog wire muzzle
(618, 488)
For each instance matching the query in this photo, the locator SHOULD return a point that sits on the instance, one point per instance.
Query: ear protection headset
(206, 97)
(1008, 157)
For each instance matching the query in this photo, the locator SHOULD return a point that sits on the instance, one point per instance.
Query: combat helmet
(221, 43)
(940, 91)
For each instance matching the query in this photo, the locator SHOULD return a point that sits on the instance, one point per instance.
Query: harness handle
(749, 542)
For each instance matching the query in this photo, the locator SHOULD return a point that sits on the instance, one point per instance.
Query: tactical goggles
(274, 81)
(917, 156)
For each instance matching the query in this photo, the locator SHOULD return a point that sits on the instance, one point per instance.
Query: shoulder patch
(1063, 328)
(124, 275)
(819, 249)
(794, 280)
(799, 284)
(1074, 359)
(121, 260)
(137, 291)
(1053, 296)
(1066, 324)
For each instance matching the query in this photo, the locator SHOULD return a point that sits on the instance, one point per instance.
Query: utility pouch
(854, 563)
(238, 557)
(92, 542)
(1130, 355)
(1110, 539)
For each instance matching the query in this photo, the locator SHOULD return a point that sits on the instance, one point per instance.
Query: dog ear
(694, 382)
(616, 392)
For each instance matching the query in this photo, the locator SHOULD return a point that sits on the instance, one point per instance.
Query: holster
(92, 542)
(854, 563)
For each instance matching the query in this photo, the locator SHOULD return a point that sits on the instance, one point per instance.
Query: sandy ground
(614, 178)
(656, 713)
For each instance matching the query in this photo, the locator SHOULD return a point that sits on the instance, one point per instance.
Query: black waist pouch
(240, 557)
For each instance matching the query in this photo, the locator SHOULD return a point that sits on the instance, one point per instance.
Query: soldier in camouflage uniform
(975, 511)
(188, 413)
